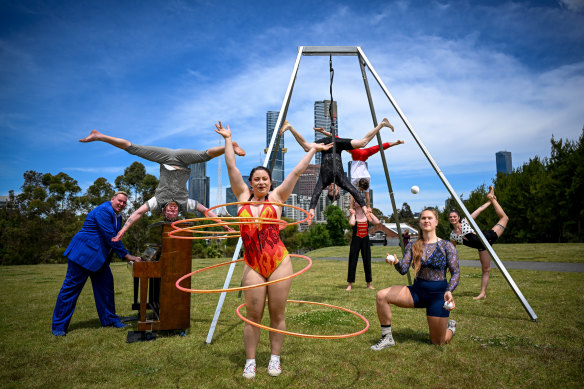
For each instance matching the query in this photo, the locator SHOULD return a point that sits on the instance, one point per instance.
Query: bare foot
(285, 126)
(238, 150)
(399, 142)
(480, 297)
(348, 287)
(370, 287)
(491, 194)
(92, 137)
(386, 123)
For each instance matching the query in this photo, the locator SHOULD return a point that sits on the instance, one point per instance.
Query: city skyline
(473, 78)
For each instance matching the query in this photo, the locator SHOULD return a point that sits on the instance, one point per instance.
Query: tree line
(543, 199)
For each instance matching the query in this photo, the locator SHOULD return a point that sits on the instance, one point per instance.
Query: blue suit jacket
(91, 246)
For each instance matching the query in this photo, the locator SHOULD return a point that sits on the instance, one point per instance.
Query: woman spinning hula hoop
(266, 257)
(463, 233)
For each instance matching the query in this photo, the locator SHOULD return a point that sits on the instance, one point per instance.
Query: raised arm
(131, 220)
(480, 209)
(282, 192)
(299, 138)
(238, 185)
(322, 131)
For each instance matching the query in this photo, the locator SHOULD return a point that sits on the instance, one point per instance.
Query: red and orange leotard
(264, 250)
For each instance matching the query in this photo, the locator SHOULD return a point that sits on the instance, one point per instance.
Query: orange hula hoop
(224, 234)
(343, 336)
(266, 202)
(241, 287)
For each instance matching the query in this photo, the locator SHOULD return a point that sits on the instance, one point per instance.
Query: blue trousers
(103, 293)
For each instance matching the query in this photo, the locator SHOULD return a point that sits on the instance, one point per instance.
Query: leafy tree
(336, 225)
(316, 236)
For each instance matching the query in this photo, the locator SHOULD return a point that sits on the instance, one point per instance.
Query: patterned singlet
(264, 251)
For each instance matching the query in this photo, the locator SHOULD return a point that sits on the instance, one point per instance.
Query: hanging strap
(332, 118)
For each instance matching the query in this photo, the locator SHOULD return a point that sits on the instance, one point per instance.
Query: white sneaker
(451, 326)
(249, 371)
(385, 342)
(274, 368)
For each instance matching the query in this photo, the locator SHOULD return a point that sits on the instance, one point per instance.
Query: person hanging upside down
(171, 196)
(463, 233)
(332, 173)
(265, 257)
(360, 242)
(430, 257)
(360, 177)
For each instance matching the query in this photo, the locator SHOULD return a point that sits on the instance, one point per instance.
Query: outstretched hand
(224, 132)
(320, 146)
(310, 217)
(119, 236)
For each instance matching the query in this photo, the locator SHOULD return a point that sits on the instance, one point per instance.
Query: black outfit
(360, 242)
(328, 175)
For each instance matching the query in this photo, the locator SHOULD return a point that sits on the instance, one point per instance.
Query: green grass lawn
(542, 252)
(496, 344)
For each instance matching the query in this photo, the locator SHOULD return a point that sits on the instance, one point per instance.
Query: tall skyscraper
(199, 183)
(504, 164)
(230, 198)
(322, 119)
(278, 170)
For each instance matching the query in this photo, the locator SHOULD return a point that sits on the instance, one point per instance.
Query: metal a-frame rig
(275, 141)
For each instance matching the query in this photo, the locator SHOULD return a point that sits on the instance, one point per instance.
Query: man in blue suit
(89, 255)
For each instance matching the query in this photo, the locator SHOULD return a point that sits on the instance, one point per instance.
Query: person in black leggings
(332, 173)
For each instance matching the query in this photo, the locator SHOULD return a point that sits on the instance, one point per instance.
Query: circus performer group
(265, 256)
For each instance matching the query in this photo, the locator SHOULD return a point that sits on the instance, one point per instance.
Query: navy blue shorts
(430, 295)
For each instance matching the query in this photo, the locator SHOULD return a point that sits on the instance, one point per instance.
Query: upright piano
(171, 308)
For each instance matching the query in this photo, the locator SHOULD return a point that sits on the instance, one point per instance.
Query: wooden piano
(171, 308)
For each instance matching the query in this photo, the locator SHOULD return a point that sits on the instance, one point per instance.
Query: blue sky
(472, 77)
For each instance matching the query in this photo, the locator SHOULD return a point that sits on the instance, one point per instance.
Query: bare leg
(360, 143)
(499, 228)
(398, 295)
(369, 286)
(438, 333)
(95, 135)
(277, 296)
(485, 259)
(220, 150)
(255, 300)
(299, 138)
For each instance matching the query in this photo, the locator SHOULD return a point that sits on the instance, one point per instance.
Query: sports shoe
(385, 342)
(249, 371)
(451, 326)
(274, 368)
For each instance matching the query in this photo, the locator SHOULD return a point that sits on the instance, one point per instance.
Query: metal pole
(275, 135)
(500, 265)
(385, 168)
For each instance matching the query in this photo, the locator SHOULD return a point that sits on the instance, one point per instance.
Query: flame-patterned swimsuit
(264, 250)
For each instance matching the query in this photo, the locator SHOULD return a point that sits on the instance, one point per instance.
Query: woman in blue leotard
(430, 257)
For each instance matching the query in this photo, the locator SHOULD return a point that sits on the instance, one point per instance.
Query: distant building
(504, 164)
(278, 170)
(385, 234)
(230, 198)
(322, 119)
(307, 181)
(199, 183)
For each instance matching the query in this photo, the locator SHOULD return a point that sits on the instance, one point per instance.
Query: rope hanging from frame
(332, 119)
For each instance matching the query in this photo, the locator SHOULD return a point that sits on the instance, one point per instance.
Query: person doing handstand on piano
(171, 196)
(266, 257)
